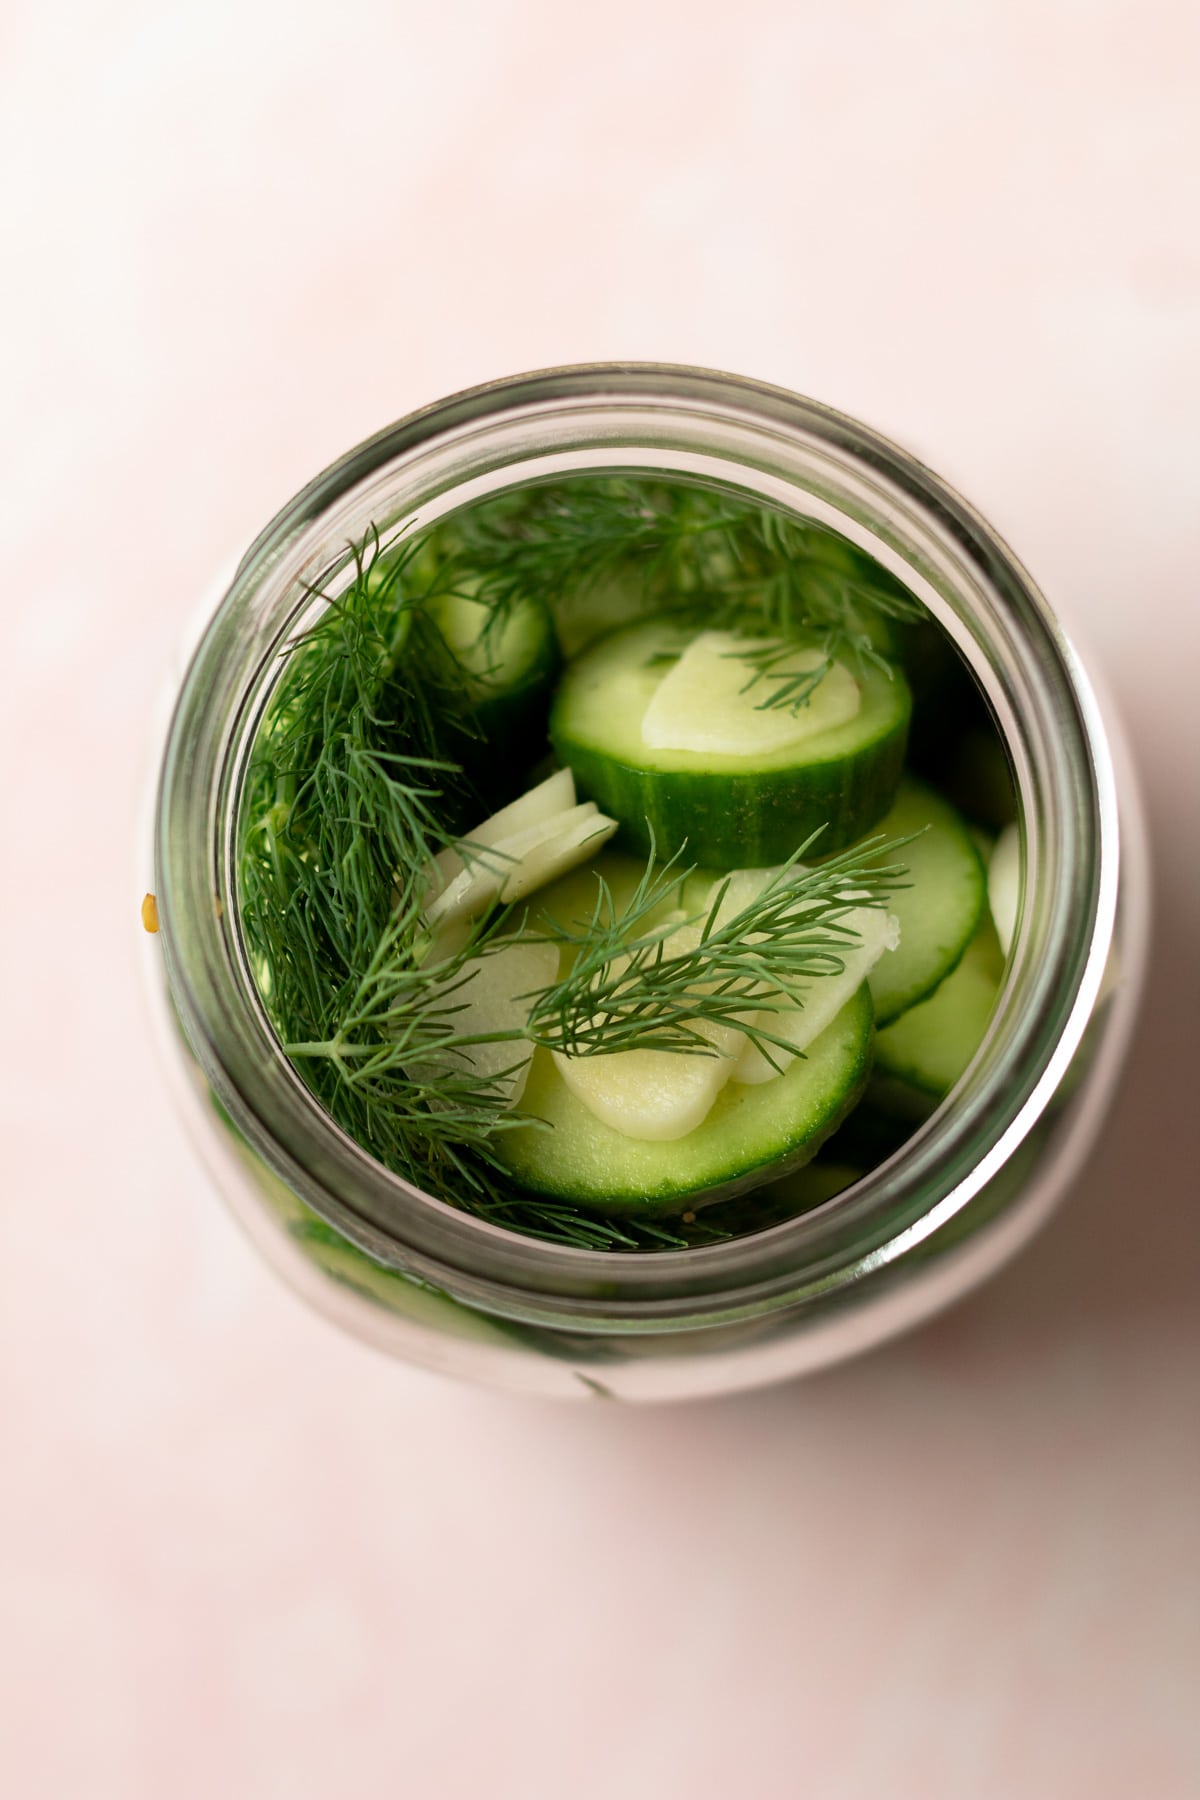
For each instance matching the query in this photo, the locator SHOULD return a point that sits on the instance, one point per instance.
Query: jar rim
(783, 448)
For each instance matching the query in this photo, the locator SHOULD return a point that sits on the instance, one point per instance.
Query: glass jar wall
(416, 1276)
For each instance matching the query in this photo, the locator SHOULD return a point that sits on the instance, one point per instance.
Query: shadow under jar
(427, 1281)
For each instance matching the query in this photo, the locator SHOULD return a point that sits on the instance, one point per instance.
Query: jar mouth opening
(783, 451)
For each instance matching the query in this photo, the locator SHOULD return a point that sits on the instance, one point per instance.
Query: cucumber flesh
(751, 1134)
(1004, 884)
(755, 807)
(513, 652)
(707, 702)
(581, 615)
(940, 908)
(931, 1045)
(659, 1096)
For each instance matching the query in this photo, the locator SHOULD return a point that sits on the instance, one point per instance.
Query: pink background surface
(241, 1555)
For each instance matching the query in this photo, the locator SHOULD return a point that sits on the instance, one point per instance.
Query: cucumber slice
(583, 614)
(931, 1045)
(704, 704)
(502, 659)
(505, 665)
(751, 1134)
(940, 909)
(732, 809)
(1004, 884)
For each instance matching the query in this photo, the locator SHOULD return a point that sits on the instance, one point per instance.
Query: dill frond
(356, 780)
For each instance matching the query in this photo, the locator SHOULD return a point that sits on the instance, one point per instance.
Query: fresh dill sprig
(667, 540)
(632, 987)
(672, 546)
(356, 780)
(348, 786)
(788, 688)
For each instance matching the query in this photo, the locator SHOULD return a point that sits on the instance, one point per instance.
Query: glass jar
(417, 1277)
